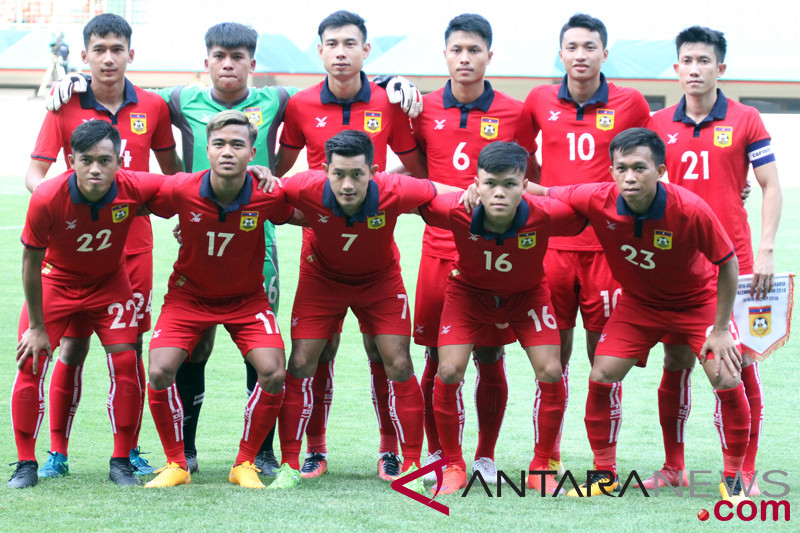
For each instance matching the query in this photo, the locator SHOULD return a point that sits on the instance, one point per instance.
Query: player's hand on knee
(401, 91)
(720, 342)
(33, 342)
(62, 90)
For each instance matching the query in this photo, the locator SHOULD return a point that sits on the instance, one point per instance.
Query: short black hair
(633, 138)
(342, 18)
(232, 35)
(500, 157)
(470, 23)
(85, 136)
(582, 20)
(350, 143)
(107, 23)
(701, 34)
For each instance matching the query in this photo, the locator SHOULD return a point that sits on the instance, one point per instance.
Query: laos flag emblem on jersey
(254, 115)
(662, 239)
(372, 121)
(249, 220)
(605, 119)
(760, 320)
(139, 123)
(723, 136)
(490, 128)
(526, 241)
(377, 221)
(120, 212)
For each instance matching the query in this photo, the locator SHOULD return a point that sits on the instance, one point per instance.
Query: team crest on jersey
(119, 212)
(760, 320)
(605, 119)
(139, 123)
(662, 239)
(723, 136)
(254, 115)
(372, 121)
(490, 128)
(526, 241)
(249, 220)
(378, 221)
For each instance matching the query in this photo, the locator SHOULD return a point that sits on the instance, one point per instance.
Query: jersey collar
(368, 208)
(243, 198)
(227, 105)
(364, 94)
(520, 218)
(657, 208)
(718, 112)
(599, 97)
(77, 196)
(88, 101)
(484, 101)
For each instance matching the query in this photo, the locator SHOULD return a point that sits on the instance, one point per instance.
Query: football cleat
(287, 478)
(749, 480)
(416, 485)
(56, 466)
(432, 458)
(486, 467)
(731, 491)
(597, 483)
(558, 466)
(550, 484)
(246, 475)
(454, 479)
(121, 471)
(191, 461)
(389, 466)
(267, 463)
(140, 465)
(315, 465)
(171, 475)
(667, 476)
(24, 476)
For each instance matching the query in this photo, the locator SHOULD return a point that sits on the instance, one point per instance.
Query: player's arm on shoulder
(771, 205)
(719, 340)
(37, 170)
(169, 161)
(535, 189)
(414, 163)
(564, 220)
(285, 159)
(34, 340)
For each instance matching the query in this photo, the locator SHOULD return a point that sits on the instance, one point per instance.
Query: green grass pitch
(351, 497)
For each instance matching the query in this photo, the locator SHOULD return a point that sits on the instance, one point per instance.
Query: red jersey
(359, 248)
(657, 257)
(505, 264)
(575, 138)
(222, 250)
(712, 159)
(452, 135)
(314, 115)
(84, 240)
(143, 123)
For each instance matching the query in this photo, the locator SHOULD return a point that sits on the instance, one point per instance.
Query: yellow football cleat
(735, 496)
(558, 466)
(246, 475)
(594, 489)
(171, 475)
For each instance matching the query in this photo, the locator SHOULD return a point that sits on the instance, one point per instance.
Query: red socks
(752, 388)
(674, 405)
(65, 394)
(142, 389)
(167, 411)
(323, 397)
(426, 384)
(380, 400)
(556, 453)
(603, 419)
(491, 396)
(448, 408)
(298, 402)
(259, 417)
(27, 407)
(124, 399)
(406, 410)
(548, 413)
(732, 418)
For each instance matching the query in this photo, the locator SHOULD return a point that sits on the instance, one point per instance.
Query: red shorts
(468, 316)
(429, 302)
(634, 328)
(140, 272)
(249, 320)
(581, 280)
(320, 304)
(106, 308)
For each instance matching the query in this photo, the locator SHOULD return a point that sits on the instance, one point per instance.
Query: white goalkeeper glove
(62, 90)
(401, 91)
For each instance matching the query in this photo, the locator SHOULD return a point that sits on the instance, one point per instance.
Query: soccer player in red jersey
(345, 100)
(351, 261)
(143, 121)
(711, 143)
(578, 119)
(668, 250)
(73, 266)
(460, 119)
(498, 278)
(221, 214)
